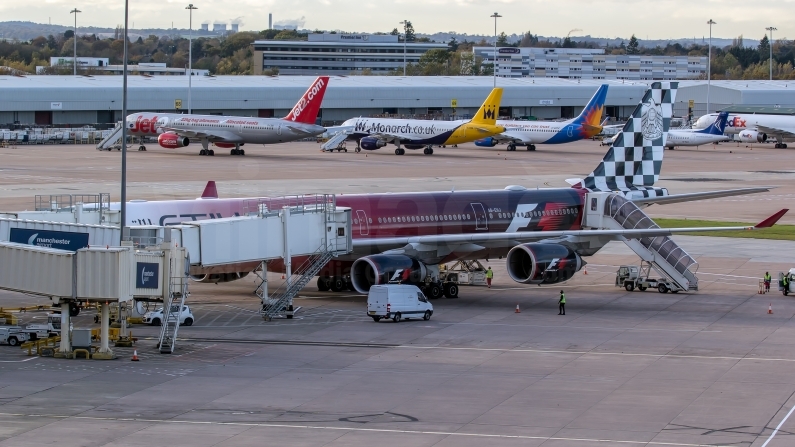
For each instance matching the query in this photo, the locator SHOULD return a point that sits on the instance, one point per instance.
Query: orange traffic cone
(282, 276)
(585, 271)
(770, 308)
(135, 356)
(517, 309)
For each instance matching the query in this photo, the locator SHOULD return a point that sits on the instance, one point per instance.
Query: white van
(397, 301)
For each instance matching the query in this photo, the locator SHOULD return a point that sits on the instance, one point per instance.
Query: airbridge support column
(66, 333)
(288, 262)
(104, 334)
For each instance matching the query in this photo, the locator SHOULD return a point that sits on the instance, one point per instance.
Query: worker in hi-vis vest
(562, 304)
(767, 281)
(489, 276)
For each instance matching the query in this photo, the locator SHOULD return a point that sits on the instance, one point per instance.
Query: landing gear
(531, 147)
(337, 284)
(358, 146)
(450, 290)
(428, 151)
(323, 283)
(349, 283)
(209, 152)
(781, 145)
(433, 291)
(400, 151)
(511, 147)
(237, 151)
(141, 148)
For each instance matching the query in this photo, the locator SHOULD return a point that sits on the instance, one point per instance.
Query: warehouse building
(74, 101)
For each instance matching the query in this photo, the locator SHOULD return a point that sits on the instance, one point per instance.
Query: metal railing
(66, 202)
(299, 204)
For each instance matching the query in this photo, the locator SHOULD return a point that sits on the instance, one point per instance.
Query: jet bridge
(613, 211)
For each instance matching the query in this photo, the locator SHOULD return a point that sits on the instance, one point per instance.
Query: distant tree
(567, 43)
(502, 40)
(632, 48)
(410, 37)
(68, 34)
(764, 49)
(528, 40)
(395, 32)
(453, 44)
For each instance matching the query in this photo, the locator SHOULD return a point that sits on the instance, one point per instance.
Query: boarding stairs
(172, 310)
(664, 255)
(280, 300)
(112, 140)
(335, 141)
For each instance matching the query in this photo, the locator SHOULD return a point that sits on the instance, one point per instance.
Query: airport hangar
(69, 101)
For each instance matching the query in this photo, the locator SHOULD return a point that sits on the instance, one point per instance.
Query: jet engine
(542, 263)
(381, 269)
(486, 142)
(172, 140)
(752, 136)
(371, 143)
(215, 278)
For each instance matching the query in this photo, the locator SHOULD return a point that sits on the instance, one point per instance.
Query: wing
(509, 137)
(510, 239)
(228, 137)
(782, 132)
(693, 196)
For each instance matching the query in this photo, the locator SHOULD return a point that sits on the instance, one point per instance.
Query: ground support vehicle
(632, 277)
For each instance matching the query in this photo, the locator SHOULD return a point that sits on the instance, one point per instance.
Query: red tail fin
(305, 111)
(210, 191)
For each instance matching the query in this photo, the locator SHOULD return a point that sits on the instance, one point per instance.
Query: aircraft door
(364, 225)
(481, 220)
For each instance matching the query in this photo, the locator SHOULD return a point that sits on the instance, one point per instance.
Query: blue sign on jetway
(61, 240)
(147, 275)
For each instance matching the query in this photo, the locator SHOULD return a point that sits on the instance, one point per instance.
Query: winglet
(210, 191)
(770, 221)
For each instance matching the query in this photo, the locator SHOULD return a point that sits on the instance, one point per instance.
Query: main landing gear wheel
(511, 147)
(531, 147)
(237, 152)
(400, 151)
(433, 291)
(209, 152)
(781, 145)
(203, 152)
(142, 148)
(337, 284)
(428, 151)
(450, 290)
(358, 149)
(323, 284)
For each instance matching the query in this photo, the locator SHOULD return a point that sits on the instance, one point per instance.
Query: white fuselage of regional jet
(228, 129)
(690, 137)
(737, 122)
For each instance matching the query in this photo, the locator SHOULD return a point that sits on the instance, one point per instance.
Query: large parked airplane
(542, 233)
(174, 131)
(530, 133)
(375, 133)
(697, 137)
(756, 128)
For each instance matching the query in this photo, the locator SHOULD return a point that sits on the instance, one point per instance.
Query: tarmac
(619, 369)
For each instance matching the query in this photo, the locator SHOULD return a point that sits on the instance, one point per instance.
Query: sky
(652, 19)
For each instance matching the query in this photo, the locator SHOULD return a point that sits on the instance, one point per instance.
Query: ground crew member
(489, 276)
(562, 304)
(767, 281)
(785, 282)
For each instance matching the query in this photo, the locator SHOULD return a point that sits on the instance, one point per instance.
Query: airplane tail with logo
(487, 113)
(591, 115)
(307, 108)
(633, 163)
(718, 126)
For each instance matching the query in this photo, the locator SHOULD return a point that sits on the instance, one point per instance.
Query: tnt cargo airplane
(375, 133)
(756, 128)
(530, 133)
(174, 131)
(697, 137)
(540, 232)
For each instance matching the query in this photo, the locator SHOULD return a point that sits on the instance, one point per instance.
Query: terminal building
(582, 63)
(69, 101)
(338, 54)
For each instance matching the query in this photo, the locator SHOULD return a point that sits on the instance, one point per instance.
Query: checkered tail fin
(632, 165)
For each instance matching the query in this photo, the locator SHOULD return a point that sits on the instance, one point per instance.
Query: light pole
(405, 24)
(74, 54)
(190, 7)
(709, 60)
(123, 205)
(494, 69)
(771, 29)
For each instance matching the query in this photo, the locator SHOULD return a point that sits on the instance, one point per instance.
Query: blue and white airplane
(696, 137)
(529, 133)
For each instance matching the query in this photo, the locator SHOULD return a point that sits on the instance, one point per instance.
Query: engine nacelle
(371, 143)
(486, 142)
(172, 140)
(752, 136)
(542, 263)
(215, 278)
(381, 269)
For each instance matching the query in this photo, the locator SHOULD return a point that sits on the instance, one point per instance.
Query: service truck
(632, 277)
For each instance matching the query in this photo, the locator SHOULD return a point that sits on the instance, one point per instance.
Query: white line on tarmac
(779, 426)
(627, 354)
(19, 361)
(584, 327)
(358, 429)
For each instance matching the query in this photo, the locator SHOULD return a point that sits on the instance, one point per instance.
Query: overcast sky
(658, 19)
